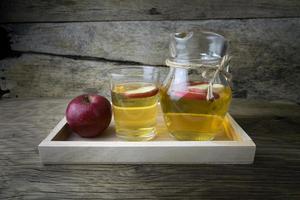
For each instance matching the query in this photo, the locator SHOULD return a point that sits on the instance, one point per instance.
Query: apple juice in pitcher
(196, 94)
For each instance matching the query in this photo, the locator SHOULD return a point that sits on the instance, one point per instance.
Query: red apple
(89, 115)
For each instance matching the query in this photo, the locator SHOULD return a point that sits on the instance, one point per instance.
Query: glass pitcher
(196, 93)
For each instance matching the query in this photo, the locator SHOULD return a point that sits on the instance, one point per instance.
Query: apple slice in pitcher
(188, 95)
(218, 87)
(195, 83)
(198, 91)
(141, 92)
(204, 86)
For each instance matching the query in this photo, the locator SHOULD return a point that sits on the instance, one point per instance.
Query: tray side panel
(150, 154)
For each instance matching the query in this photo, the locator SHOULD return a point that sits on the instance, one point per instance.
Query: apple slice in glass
(142, 92)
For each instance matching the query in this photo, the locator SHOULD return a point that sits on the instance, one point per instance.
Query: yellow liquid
(135, 117)
(194, 119)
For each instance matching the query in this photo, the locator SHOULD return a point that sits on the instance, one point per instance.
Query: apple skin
(89, 115)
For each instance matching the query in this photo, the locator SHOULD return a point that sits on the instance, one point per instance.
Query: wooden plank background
(135, 10)
(64, 48)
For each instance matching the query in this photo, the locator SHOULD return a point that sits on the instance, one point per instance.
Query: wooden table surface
(275, 174)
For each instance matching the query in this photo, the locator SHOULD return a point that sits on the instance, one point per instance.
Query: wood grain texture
(119, 10)
(274, 175)
(52, 76)
(260, 41)
(40, 76)
(265, 60)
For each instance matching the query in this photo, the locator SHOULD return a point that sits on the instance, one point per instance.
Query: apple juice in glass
(134, 93)
(196, 94)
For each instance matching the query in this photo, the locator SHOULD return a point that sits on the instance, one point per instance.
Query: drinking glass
(134, 93)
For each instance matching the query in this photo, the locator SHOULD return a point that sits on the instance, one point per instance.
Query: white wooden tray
(62, 146)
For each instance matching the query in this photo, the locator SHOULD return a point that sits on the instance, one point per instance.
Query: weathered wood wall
(133, 10)
(64, 48)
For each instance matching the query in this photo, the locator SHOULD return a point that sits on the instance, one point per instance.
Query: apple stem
(87, 99)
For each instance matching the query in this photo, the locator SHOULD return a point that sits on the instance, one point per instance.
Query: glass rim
(197, 32)
(116, 70)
